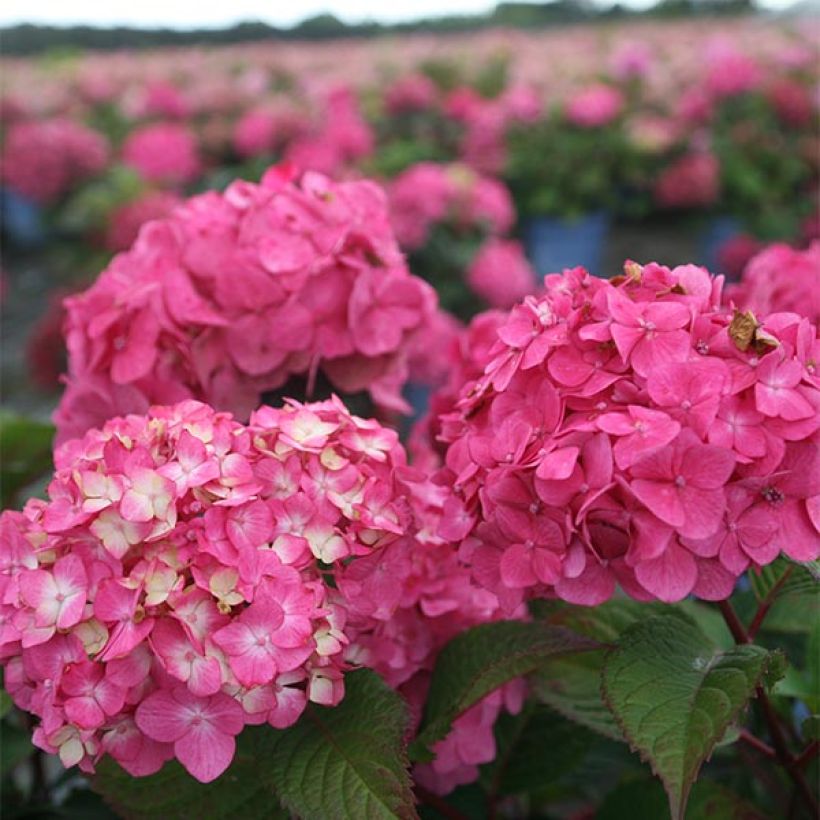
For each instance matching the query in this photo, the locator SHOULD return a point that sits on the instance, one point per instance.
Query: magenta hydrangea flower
(595, 106)
(781, 278)
(500, 273)
(45, 159)
(404, 604)
(427, 194)
(166, 153)
(174, 586)
(634, 432)
(234, 293)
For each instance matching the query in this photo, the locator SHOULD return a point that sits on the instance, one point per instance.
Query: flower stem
(778, 738)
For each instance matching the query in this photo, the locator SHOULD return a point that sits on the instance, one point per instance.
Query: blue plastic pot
(22, 220)
(712, 238)
(417, 395)
(554, 244)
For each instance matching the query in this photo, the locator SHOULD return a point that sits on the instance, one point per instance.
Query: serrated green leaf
(603, 623)
(533, 749)
(790, 590)
(25, 453)
(173, 794)
(674, 694)
(480, 660)
(347, 761)
(572, 687)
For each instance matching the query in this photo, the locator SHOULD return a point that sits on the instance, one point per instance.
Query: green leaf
(347, 761)
(5, 703)
(716, 802)
(645, 800)
(791, 592)
(572, 687)
(25, 450)
(480, 660)
(810, 728)
(674, 695)
(533, 749)
(173, 794)
(15, 747)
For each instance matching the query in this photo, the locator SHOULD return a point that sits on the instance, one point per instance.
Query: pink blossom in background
(632, 59)
(428, 194)
(735, 254)
(165, 153)
(163, 99)
(595, 106)
(781, 278)
(410, 92)
(256, 133)
(234, 293)
(692, 181)
(792, 102)
(612, 432)
(45, 159)
(500, 273)
(730, 71)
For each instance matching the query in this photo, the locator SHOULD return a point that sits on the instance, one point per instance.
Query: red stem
(781, 749)
(807, 754)
(756, 743)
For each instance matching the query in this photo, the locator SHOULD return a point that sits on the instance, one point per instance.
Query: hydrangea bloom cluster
(427, 194)
(500, 273)
(595, 106)
(165, 153)
(44, 159)
(782, 278)
(403, 604)
(691, 181)
(173, 589)
(234, 293)
(636, 432)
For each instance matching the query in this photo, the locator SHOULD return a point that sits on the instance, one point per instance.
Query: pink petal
(516, 567)
(669, 577)
(205, 751)
(162, 717)
(661, 498)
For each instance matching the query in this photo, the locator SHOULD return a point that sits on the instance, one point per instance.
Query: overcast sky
(194, 13)
(198, 13)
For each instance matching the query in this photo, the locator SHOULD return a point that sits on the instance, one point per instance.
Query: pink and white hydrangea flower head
(174, 586)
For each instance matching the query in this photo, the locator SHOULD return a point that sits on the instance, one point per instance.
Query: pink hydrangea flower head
(781, 279)
(174, 586)
(500, 273)
(45, 159)
(595, 106)
(164, 153)
(692, 181)
(637, 432)
(234, 294)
